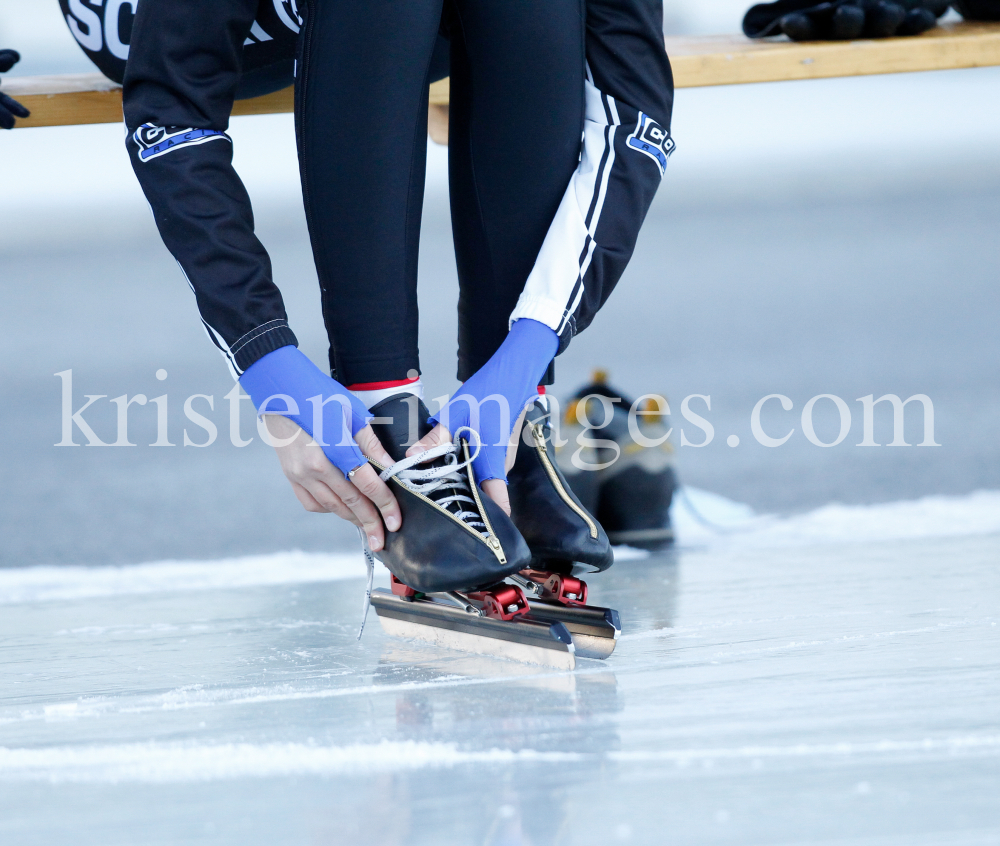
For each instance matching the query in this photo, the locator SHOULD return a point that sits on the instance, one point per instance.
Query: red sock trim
(541, 390)
(380, 386)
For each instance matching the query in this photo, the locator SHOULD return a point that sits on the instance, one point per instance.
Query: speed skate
(536, 617)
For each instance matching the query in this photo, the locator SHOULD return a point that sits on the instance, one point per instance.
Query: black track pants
(517, 75)
(361, 124)
(513, 122)
(517, 78)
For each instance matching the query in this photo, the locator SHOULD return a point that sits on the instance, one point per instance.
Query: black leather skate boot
(453, 537)
(558, 529)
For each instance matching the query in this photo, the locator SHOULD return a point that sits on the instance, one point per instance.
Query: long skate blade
(546, 643)
(594, 629)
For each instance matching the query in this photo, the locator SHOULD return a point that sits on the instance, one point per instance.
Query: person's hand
(322, 488)
(10, 108)
(492, 402)
(329, 470)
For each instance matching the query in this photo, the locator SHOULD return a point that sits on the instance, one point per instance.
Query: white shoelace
(426, 481)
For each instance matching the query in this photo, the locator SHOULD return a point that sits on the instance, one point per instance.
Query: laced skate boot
(635, 483)
(558, 529)
(453, 537)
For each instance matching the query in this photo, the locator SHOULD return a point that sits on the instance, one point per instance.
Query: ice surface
(701, 519)
(801, 680)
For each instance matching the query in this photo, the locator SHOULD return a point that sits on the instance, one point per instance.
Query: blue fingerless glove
(500, 389)
(286, 374)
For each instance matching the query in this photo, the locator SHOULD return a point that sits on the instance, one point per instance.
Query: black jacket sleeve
(626, 144)
(183, 70)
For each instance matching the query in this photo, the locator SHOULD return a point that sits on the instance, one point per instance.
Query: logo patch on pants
(653, 140)
(156, 141)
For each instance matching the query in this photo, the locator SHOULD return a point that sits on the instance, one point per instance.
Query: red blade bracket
(557, 587)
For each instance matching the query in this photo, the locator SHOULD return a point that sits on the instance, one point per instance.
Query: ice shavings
(704, 519)
(157, 762)
(44, 584)
(199, 696)
(193, 762)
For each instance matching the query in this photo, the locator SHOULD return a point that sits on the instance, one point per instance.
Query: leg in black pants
(361, 122)
(361, 106)
(515, 121)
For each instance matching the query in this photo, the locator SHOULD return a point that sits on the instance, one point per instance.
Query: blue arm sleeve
(286, 382)
(490, 402)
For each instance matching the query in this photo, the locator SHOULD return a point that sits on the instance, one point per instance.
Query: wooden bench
(713, 60)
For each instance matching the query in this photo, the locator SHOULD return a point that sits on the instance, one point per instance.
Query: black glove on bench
(978, 10)
(806, 20)
(10, 108)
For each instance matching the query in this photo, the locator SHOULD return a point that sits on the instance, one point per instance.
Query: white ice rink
(828, 678)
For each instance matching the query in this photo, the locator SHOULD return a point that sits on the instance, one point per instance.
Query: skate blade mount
(594, 629)
(556, 596)
(531, 641)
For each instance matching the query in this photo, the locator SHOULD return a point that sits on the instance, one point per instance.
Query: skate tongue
(400, 421)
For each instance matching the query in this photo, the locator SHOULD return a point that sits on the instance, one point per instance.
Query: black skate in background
(632, 495)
